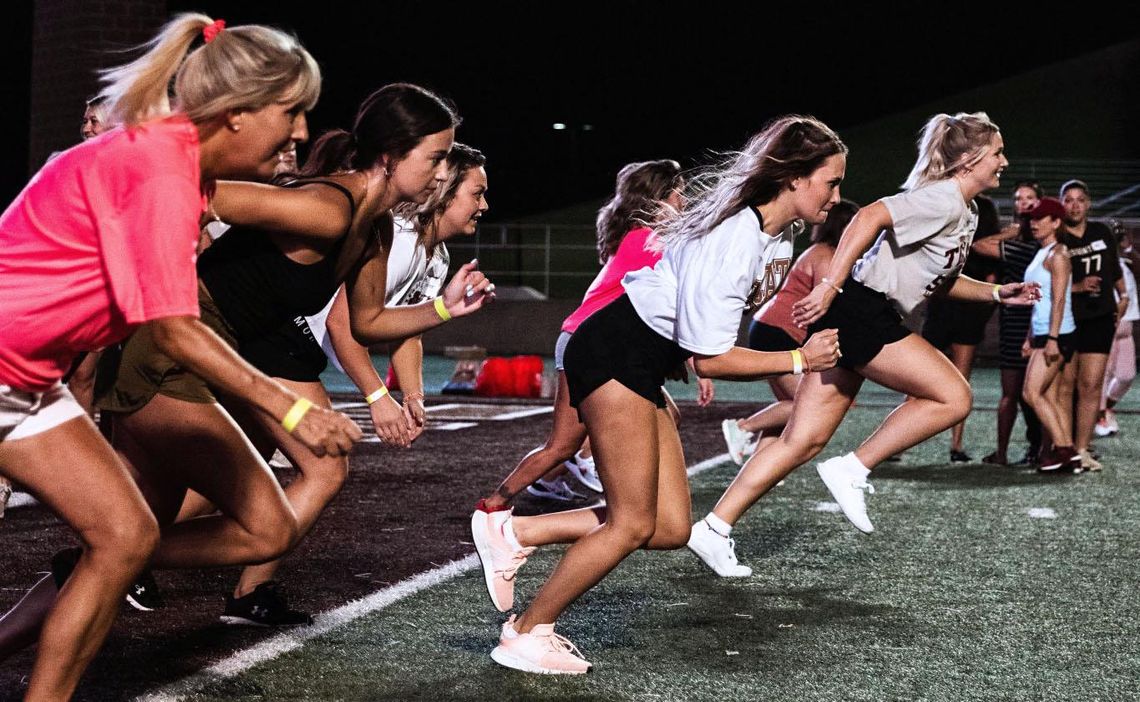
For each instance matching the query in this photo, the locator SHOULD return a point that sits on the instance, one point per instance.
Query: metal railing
(560, 260)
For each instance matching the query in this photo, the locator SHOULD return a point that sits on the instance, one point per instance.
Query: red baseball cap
(1048, 207)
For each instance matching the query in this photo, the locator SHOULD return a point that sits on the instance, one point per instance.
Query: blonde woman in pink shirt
(136, 193)
(642, 188)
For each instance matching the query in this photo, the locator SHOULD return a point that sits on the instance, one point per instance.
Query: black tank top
(257, 287)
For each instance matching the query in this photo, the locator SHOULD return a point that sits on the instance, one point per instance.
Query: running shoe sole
(483, 547)
(506, 660)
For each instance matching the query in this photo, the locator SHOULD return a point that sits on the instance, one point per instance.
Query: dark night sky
(654, 79)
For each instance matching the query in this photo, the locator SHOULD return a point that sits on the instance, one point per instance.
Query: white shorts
(24, 414)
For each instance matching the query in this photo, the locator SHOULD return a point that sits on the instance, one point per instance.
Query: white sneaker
(718, 552)
(584, 469)
(557, 489)
(846, 484)
(736, 439)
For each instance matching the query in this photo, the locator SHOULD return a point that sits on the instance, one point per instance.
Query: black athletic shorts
(956, 322)
(866, 320)
(1064, 341)
(1095, 335)
(765, 337)
(614, 344)
(289, 352)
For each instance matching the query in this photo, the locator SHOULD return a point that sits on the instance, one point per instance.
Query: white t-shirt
(927, 246)
(697, 292)
(1132, 312)
(412, 278)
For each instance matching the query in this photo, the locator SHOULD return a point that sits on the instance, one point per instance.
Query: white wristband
(997, 294)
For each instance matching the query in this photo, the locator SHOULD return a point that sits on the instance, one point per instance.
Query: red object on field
(520, 376)
(392, 382)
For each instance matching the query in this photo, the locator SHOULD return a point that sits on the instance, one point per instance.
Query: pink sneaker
(500, 561)
(540, 651)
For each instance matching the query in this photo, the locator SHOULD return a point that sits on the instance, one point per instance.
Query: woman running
(642, 189)
(1051, 336)
(137, 191)
(416, 271)
(920, 238)
(285, 256)
(772, 329)
(727, 251)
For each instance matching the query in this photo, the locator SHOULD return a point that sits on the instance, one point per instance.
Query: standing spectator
(1096, 271)
(1121, 370)
(1014, 247)
(957, 327)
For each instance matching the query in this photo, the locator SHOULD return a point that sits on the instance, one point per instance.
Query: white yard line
(334, 619)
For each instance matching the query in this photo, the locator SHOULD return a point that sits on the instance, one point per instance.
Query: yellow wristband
(797, 362)
(376, 395)
(441, 309)
(997, 294)
(295, 413)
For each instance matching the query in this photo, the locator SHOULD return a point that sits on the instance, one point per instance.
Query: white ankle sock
(718, 525)
(509, 535)
(855, 466)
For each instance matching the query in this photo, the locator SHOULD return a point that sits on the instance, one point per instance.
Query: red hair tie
(211, 31)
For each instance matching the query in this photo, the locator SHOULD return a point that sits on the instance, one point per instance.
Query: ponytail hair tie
(211, 31)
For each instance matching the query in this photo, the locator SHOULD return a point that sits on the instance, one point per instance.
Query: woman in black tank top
(288, 251)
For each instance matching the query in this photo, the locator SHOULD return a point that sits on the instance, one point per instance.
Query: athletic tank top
(1043, 308)
(257, 287)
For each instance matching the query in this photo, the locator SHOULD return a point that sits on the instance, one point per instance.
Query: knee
(275, 537)
(670, 535)
(958, 401)
(129, 540)
(634, 533)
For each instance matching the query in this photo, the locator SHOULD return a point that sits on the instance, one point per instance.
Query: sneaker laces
(862, 484)
(560, 644)
(518, 558)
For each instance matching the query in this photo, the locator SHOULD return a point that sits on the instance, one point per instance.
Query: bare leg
(641, 465)
(962, 356)
(771, 419)
(821, 402)
(1039, 375)
(73, 471)
(200, 446)
(318, 482)
(1090, 382)
(1012, 380)
(20, 626)
(938, 397)
(566, 435)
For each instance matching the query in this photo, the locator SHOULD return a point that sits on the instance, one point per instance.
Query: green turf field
(980, 583)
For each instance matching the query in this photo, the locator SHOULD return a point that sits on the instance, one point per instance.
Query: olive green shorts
(131, 373)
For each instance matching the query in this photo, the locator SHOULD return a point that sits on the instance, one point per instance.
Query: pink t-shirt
(101, 240)
(630, 256)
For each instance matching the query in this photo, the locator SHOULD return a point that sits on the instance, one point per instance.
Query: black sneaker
(1030, 458)
(62, 563)
(143, 594)
(960, 457)
(265, 606)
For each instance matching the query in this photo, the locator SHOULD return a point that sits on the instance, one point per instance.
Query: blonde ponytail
(138, 91)
(244, 67)
(949, 144)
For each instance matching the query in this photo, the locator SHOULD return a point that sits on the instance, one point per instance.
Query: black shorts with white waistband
(866, 320)
(614, 344)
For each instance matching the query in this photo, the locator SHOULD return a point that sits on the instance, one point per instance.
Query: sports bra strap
(332, 184)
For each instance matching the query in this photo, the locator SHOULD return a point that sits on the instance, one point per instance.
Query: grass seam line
(333, 619)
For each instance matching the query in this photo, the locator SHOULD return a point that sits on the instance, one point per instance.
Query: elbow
(170, 335)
